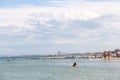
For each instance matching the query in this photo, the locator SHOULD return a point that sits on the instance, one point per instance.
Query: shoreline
(112, 58)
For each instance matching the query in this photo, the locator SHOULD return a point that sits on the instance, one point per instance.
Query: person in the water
(105, 54)
(74, 64)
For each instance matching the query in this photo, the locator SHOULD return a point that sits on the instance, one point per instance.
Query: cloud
(55, 27)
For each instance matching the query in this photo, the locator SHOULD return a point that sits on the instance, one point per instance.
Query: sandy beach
(112, 58)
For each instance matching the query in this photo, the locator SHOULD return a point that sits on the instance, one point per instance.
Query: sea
(59, 69)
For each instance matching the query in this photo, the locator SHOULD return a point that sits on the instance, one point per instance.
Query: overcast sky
(48, 26)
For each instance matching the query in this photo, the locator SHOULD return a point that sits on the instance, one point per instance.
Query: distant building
(59, 52)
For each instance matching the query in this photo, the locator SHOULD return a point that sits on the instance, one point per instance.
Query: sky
(48, 26)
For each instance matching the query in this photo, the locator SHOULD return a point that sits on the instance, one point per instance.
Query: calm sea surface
(59, 70)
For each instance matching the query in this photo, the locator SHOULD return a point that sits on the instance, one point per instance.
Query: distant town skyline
(49, 26)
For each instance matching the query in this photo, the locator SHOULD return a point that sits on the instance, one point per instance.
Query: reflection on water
(59, 70)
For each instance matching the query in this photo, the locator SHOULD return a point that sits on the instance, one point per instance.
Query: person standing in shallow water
(105, 55)
(109, 55)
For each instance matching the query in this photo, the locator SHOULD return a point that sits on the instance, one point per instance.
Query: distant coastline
(95, 55)
(48, 57)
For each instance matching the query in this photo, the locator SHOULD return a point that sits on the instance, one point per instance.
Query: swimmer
(74, 64)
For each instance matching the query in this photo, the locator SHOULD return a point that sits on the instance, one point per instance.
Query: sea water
(59, 69)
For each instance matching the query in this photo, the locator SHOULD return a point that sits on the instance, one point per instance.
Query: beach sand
(112, 58)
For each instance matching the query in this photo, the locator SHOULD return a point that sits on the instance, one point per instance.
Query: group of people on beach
(106, 55)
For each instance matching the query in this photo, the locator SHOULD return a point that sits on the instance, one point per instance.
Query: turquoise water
(59, 70)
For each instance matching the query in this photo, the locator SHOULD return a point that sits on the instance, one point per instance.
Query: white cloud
(40, 19)
(79, 24)
(69, 41)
